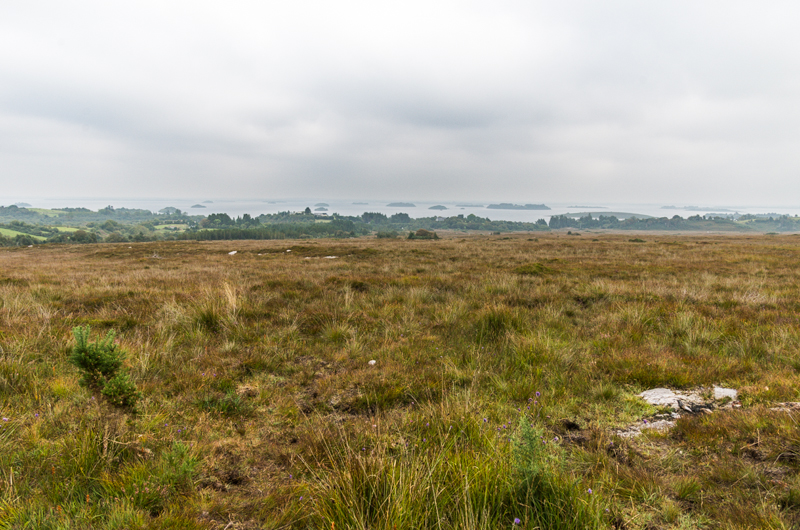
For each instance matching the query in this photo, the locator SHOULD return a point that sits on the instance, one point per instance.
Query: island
(208, 202)
(438, 207)
(197, 206)
(402, 205)
(22, 205)
(321, 209)
(509, 206)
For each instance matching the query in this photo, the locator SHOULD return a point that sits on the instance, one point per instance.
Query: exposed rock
(662, 422)
(786, 407)
(691, 401)
(723, 393)
(696, 401)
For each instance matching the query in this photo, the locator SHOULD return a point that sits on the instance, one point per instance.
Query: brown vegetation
(259, 406)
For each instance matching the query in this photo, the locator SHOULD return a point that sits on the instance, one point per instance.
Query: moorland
(504, 369)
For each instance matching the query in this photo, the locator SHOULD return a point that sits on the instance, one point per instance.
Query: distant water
(239, 207)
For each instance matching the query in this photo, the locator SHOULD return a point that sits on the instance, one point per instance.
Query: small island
(197, 206)
(321, 209)
(208, 202)
(402, 205)
(509, 206)
(22, 205)
(438, 207)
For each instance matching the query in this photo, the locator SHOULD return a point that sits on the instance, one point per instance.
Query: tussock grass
(256, 387)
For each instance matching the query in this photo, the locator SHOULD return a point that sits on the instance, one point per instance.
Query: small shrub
(422, 234)
(390, 234)
(120, 391)
(100, 363)
(533, 269)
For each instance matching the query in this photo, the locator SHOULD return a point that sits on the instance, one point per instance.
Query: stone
(725, 393)
(372, 362)
(660, 397)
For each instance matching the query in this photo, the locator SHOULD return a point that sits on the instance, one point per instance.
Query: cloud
(552, 101)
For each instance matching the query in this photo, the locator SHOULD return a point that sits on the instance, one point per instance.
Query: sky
(680, 102)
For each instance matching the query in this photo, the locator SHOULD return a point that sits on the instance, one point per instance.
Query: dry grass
(257, 389)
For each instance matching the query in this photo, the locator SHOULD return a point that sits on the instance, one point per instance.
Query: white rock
(373, 362)
(329, 257)
(231, 253)
(722, 393)
(660, 397)
(289, 250)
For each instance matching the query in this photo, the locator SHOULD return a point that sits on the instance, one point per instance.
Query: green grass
(47, 212)
(13, 233)
(503, 367)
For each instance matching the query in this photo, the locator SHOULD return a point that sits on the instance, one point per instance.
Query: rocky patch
(696, 401)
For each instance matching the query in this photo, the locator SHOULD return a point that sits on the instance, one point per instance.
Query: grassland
(503, 366)
(13, 233)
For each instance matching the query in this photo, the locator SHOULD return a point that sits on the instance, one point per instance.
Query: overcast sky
(675, 102)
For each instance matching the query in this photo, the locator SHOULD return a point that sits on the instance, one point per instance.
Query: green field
(13, 233)
(45, 211)
(474, 382)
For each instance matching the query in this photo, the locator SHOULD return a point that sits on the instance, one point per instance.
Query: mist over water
(238, 207)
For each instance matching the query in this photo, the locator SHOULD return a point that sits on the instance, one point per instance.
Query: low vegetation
(503, 369)
(21, 226)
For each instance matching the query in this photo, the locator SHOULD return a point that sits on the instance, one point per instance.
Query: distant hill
(438, 207)
(509, 206)
(402, 205)
(197, 206)
(618, 215)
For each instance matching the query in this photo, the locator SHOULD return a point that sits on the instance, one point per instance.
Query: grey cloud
(568, 100)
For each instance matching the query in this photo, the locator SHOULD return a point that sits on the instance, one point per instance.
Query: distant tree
(115, 237)
(307, 211)
(374, 217)
(24, 240)
(110, 225)
(218, 220)
(400, 218)
(82, 236)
